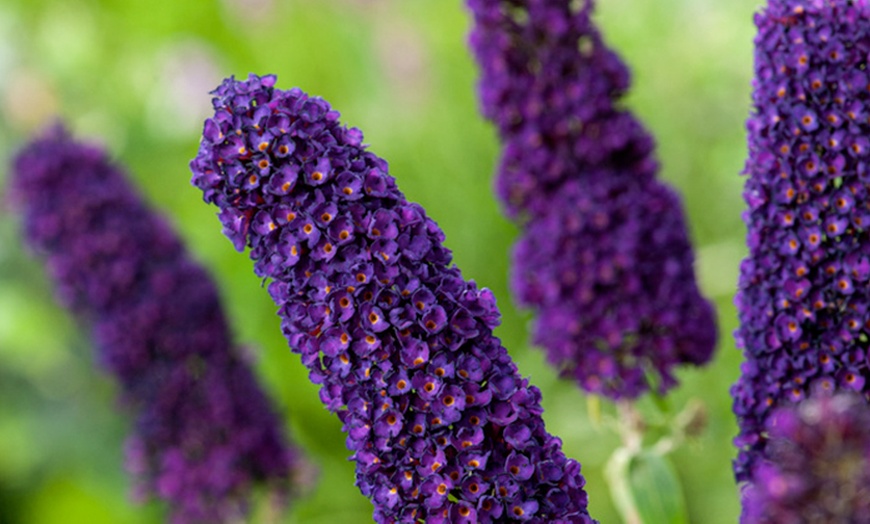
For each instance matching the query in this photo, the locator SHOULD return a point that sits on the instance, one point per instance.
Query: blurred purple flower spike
(604, 257)
(205, 431)
(816, 466)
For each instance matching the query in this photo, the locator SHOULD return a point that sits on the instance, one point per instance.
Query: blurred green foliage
(135, 75)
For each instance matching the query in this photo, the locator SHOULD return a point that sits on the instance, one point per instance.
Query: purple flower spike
(803, 294)
(604, 258)
(205, 431)
(816, 466)
(429, 398)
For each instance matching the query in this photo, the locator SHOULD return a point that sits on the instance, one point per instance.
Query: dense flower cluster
(604, 257)
(441, 425)
(205, 431)
(803, 294)
(817, 465)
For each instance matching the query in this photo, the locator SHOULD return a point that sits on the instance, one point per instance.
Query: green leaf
(617, 474)
(645, 488)
(657, 492)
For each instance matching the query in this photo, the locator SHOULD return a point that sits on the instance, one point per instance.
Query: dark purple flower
(816, 467)
(426, 393)
(205, 431)
(803, 299)
(604, 258)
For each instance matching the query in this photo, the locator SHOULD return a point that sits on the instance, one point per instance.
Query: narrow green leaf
(616, 472)
(655, 489)
(644, 488)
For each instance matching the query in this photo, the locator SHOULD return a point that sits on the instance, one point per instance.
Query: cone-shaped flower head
(441, 425)
(803, 294)
(205, 432)
(816, 467)
(604, 258)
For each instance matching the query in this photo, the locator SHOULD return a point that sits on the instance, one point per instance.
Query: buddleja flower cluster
(441, 425)
(817, 465)
(803, 294)
(205, 432)
(604, 257)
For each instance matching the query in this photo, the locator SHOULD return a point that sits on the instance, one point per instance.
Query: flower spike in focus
(803, 294)
(441, 425)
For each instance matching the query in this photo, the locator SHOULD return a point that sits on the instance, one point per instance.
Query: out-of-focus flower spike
(816, 466)
(604, 258)
(205, 432)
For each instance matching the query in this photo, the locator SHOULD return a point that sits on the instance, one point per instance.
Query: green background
(134, 75)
